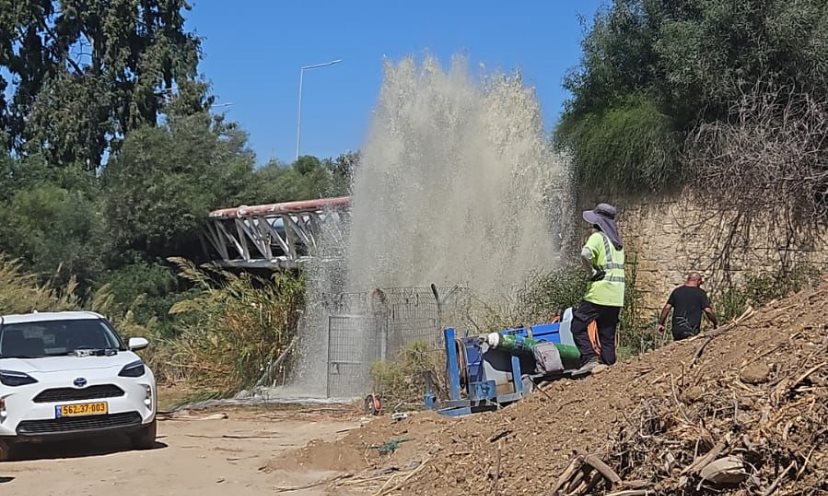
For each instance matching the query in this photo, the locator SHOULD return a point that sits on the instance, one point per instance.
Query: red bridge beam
(295, 207)
(278, 235)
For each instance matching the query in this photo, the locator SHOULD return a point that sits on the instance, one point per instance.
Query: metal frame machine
(487, 372)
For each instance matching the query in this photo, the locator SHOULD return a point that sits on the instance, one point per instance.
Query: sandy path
(195, 457)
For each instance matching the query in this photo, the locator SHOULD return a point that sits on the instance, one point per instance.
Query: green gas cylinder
(519, 345)
(512, 343)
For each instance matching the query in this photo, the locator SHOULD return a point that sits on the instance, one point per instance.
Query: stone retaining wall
(668, 237)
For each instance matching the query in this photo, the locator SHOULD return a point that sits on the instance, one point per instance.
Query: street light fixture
(299, 116)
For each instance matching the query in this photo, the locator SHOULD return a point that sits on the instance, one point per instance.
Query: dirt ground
(199, 453)
(765, 379)
(522, 449)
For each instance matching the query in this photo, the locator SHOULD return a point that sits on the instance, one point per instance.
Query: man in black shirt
(687, 302)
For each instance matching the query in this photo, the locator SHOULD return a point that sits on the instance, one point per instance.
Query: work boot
(587, 368)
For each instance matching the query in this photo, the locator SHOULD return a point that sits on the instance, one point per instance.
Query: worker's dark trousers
(682, 334)
(607, 320)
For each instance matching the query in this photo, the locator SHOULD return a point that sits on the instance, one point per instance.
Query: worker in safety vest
(595, 319)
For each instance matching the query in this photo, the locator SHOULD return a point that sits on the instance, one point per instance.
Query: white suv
(70, 375)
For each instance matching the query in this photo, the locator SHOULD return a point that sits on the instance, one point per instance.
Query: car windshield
(56, 337)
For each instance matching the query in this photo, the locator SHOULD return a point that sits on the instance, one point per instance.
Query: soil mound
(753, 399)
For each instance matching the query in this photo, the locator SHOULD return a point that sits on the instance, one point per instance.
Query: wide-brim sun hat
(601, 211)
(603, 216)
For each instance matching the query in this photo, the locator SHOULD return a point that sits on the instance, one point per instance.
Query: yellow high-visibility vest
(610, 290)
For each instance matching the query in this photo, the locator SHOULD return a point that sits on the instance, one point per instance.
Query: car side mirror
(136, 344)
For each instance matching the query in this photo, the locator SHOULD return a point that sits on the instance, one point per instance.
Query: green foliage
(9, 171)
(69, 119)
(342, 168)
(538, 300)
(108, 233)
(50, 226)
(160, 187)
(635, 331)
(21, 292)
(653, 70)
(402, 379)
(618, 59)
(152, 286)
(122, 317)
(759, 289)
(627, 147)
(131, 281)
(86, 73)
(235, 325)
(115, 81)
(227, 329)
(713, 52)
(549, 293)
(305, 179)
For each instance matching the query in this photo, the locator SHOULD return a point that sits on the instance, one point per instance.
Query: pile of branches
(758, 431)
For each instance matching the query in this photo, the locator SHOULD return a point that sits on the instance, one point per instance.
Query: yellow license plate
(80, 410)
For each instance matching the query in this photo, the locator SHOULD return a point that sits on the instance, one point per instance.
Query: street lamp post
(299, 116)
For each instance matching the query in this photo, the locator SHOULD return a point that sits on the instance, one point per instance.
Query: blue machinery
(481, 377)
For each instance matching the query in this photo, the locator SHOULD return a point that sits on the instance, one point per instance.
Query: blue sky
(253, 50)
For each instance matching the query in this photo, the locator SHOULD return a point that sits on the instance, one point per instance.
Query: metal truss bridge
(275, 236)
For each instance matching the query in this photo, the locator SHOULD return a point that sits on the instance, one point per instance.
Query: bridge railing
(278, 235)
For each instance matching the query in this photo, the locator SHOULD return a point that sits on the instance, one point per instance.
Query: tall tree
(161, 185)
(50, 219)
(86, 72)
(654, 69)
(304, 179)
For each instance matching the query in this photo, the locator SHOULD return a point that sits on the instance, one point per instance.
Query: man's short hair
(694, 276)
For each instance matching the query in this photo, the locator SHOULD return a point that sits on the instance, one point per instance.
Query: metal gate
(363, 328)
(354, 343)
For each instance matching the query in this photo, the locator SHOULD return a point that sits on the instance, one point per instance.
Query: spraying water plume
(457, 183)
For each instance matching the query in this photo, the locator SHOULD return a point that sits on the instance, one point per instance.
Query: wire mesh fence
(353, 345)
(389, 321)
(354, 330)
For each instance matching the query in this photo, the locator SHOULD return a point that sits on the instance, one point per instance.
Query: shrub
(50, 228)
(539, 300)
(148, 291)
(234, 326)
(634, 329)
(402, 380)
(759, 289)
(20, 292)
(556, 290)
(630, 147)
